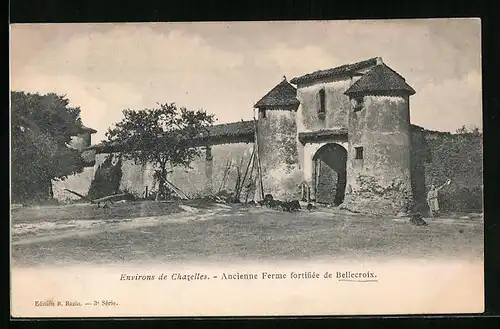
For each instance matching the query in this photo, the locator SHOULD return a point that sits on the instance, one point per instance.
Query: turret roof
(381, 78)
(283, 94)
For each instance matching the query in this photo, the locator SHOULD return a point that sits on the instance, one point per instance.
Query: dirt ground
(162, 232)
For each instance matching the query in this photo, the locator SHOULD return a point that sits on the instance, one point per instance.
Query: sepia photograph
(246, 168)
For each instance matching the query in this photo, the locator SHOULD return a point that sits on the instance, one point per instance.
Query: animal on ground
(416, 219)
(270, 202)
(291, 206)
(310, 207)
(268, 197)
(274, 204)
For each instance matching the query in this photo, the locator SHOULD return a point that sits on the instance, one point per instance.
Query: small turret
(379, 143)
(277, 139)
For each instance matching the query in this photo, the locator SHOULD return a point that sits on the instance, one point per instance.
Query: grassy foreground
(86, 211)
(240, 233)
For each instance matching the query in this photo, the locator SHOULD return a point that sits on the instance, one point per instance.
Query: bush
(462, 199)
(107, 179)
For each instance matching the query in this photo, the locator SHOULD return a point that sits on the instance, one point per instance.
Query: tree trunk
(51, 190)
(161, 185)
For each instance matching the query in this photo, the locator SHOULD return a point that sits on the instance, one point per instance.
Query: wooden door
(325, 183)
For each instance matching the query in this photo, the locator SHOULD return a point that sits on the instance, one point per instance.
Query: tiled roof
(241, 131)
(283, 94)
(87, 130)
(231, 129)
(337, 71)
(382, 79)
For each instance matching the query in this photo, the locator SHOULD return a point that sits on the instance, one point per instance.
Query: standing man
(432, 198)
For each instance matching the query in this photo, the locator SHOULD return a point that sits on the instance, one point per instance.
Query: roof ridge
(338, 70)
(230, 123)
(393, 71)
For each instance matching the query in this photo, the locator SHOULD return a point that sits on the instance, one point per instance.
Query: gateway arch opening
(329, 177)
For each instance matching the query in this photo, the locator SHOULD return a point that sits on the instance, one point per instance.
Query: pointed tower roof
(381, 78)
(283, 94)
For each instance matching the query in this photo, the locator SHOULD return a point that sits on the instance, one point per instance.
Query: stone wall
(193, 181)
(138, 179)
(79, 183)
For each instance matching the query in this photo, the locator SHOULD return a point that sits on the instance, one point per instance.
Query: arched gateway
(329, 176)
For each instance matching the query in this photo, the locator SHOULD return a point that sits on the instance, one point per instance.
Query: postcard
(281, 168)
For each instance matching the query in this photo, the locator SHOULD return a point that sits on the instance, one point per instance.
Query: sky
(225, 67)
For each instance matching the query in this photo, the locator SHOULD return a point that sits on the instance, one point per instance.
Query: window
(359, 153)
(322, 103)
(357, 103)
(208, 153)
(262, 113)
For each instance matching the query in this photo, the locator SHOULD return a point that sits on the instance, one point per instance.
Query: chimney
(379, 61)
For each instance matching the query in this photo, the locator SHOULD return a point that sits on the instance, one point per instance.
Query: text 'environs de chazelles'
(197, 276)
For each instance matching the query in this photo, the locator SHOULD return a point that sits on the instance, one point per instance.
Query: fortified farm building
(336, 136)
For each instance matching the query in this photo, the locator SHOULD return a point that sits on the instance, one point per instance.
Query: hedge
(437, 156)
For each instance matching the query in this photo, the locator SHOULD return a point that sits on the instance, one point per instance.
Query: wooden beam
(259, 166)
(246, 172)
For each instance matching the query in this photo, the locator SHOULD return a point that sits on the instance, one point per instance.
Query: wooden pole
(252, 183)
(178, 191)
(238, 178)
(208, 170)
(223, 182)
(259, 166)
(245, 175)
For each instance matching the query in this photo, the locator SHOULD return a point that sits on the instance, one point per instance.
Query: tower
(379, 142)
(277, 141)
(82, 139)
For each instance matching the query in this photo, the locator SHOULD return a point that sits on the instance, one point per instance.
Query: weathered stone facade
(381, 179)
(277, 149)
(354, 119)
(331, 122)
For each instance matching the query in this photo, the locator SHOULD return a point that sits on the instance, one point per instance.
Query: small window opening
(357, 103)
(359, 153)
(262, 113)
(208, 153)
(322, 102)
